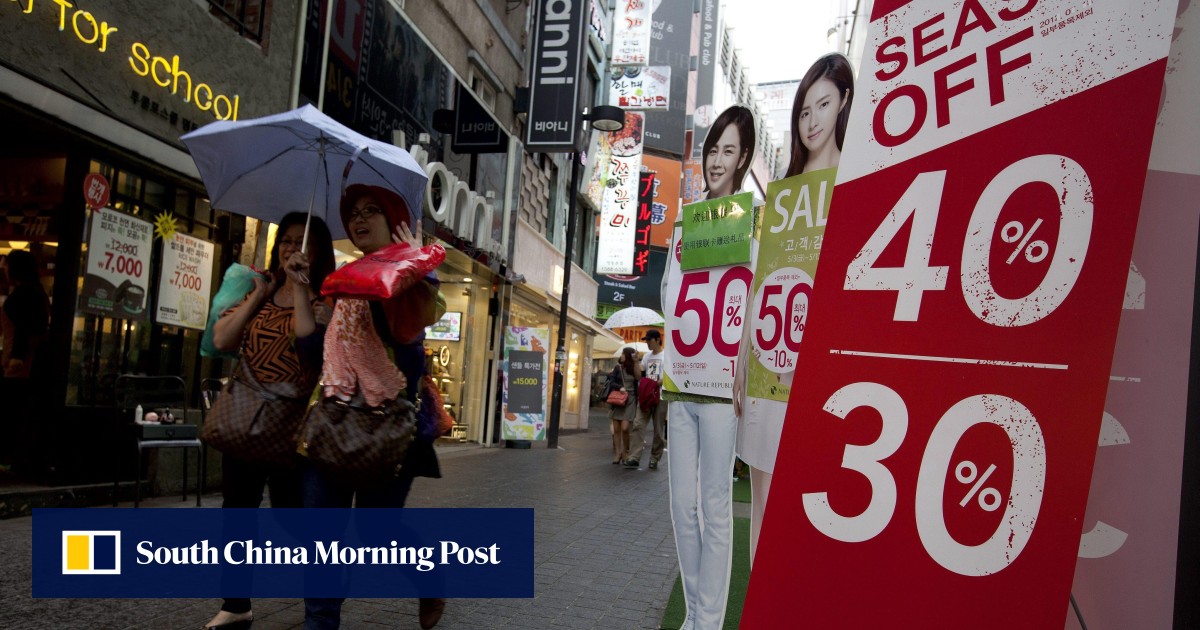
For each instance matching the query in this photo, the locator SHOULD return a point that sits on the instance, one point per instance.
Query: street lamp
(605, 118)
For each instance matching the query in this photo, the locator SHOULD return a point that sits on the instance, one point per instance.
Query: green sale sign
(717, 232)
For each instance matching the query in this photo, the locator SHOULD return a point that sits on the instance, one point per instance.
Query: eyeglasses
(364, 213)
(291, 243)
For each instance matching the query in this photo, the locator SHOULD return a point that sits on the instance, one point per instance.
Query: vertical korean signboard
(555, 76)
(117, 275)
(618, 210)
(631, 33)
(958, 350)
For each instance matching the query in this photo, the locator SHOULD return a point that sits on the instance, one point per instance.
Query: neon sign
(164, 72)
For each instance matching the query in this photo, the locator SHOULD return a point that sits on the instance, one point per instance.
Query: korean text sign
(186, 282)
(118, 266)
(958, 349)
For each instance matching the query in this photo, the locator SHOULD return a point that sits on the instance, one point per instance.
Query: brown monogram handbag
(352, 440)
(254, 421)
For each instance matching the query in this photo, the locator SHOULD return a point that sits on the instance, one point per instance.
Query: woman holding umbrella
(278, 331)
(384, 354)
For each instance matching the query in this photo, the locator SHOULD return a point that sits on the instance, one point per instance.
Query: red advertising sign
(95, 191)
(947, 401)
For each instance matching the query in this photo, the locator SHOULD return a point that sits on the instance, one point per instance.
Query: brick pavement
(604, 552)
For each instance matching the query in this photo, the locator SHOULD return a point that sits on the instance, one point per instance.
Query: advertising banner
(631, 33)
(645, 217)
(1134, 545)
(706, 78)
(640, 88)
(665, 207)
(555, 74)
(717, 231)
(670, 45)
(958, 351)
(524, 412)
(117, 275)
(793, 226)
(618, 211)
(186, 282)
(704, 318)
(328, 552)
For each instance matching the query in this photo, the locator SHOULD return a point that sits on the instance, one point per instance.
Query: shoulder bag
(352, 440)
(255, 421)
(618, 398)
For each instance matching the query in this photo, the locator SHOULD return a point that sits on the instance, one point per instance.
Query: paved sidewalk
(604, 552)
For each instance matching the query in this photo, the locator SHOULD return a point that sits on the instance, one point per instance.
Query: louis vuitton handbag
(254, 421)
(349, 439)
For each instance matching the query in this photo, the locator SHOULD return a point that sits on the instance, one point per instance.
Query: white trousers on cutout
(701, 481)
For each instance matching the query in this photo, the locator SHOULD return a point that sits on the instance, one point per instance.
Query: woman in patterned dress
(376, 349)
(279, 332)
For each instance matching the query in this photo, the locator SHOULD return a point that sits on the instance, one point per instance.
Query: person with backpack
(651, 409)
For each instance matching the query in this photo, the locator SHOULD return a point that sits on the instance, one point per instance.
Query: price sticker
(118, 265)
(186, 281)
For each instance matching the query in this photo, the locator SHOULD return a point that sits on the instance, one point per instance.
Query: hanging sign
(618, 212)
(525, 378)
(186, 282)
(640, 88)
(645, 218)
(555, 75)
(117, 274)
(957, 355)
(631, 33)
(704, 311)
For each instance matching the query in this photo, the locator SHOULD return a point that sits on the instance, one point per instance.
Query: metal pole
(560, 356)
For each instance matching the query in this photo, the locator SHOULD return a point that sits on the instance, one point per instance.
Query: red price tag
(95, 191)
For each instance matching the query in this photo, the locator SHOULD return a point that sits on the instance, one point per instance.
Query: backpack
(648, 394)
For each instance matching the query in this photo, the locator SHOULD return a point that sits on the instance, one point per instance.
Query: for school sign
(936, 456)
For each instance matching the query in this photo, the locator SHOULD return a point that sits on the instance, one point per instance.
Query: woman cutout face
(721, 163)
(367, 224)
(818, 120)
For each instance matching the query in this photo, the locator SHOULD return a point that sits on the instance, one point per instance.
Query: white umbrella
(639, 346)
(633, 316)
(270, 166)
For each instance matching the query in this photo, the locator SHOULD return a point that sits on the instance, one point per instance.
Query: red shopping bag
(384, 273)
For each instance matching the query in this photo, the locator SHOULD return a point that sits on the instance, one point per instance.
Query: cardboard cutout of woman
(819, 115)
(703, 428)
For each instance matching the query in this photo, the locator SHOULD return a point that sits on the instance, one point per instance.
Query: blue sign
(181, 552)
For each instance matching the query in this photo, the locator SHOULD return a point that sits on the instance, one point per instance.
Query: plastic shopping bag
(383, 274)
(235, 286)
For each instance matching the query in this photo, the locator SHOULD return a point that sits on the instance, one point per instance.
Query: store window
(457, 346)
(104, 347)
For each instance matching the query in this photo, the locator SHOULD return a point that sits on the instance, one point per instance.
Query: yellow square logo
(91, 553)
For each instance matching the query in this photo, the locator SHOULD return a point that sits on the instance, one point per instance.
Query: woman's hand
(322, 314)
(404, 235)
(262, 288)
(296, 268)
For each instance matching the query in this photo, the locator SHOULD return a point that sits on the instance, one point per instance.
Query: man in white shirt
(652, 368)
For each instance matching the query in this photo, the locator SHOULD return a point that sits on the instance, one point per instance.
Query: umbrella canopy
(633, 316)
(297, 161)
(640, 347)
